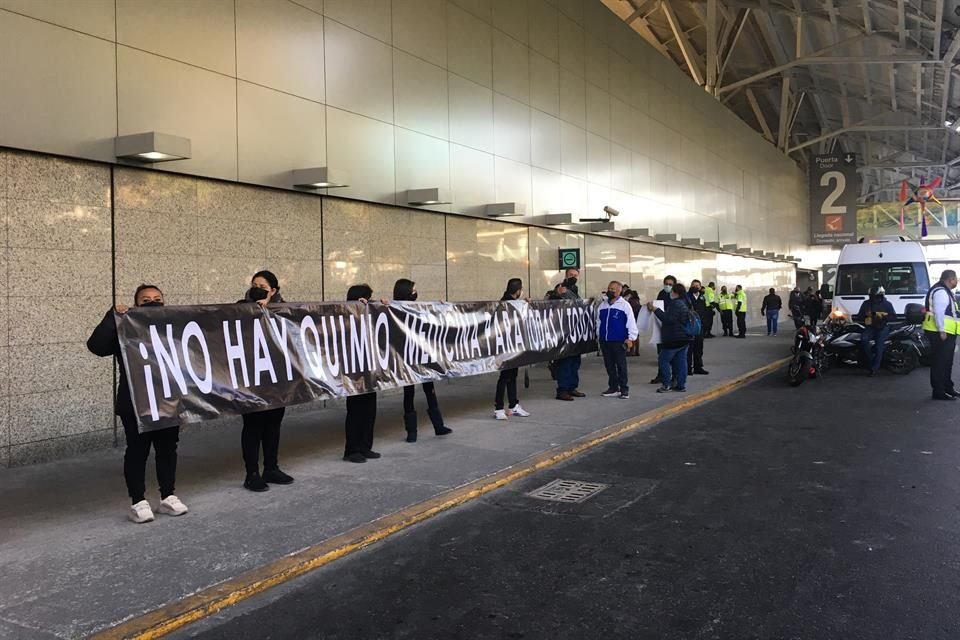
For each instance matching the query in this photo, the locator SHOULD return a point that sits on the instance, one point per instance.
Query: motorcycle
(808, 360)
(904, 347)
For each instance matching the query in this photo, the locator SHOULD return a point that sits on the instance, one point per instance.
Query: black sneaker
(355, 457)
(679, 389)
(701, 372)
(275, 476)
(610, 393)
(255, 483)
(656, 380)
(370, 455)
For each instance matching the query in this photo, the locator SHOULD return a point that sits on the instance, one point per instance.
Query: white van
(897, 264)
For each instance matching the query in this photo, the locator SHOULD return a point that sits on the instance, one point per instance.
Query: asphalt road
(825, 511)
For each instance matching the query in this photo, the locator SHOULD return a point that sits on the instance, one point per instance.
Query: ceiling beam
(713, 66)
(758, 114)
(641, 26)
(865, 129)
(734, 36)
(686, 47)
(937, 28)
(902, 23)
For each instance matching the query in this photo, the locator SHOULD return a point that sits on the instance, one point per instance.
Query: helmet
(877, 290)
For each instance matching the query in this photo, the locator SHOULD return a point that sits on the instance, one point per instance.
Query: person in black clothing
(664, 296)
(406, 291)
(771, 309)
(813, 306)
(507, 382)
(103, 342)
(796, 307)
(568, 369)
(673, 356)
(361, 409)
(875, 312)
(262, 427)
(697, 303)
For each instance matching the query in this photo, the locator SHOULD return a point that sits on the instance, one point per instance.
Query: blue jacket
(615, 321)
(673, 320)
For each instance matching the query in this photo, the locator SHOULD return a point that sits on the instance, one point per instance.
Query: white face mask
(667, 287)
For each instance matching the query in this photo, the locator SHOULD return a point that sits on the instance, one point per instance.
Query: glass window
(896, 278)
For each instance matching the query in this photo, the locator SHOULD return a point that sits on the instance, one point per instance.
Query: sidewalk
(71, 564)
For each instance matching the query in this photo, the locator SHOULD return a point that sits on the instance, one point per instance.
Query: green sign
(569, 259)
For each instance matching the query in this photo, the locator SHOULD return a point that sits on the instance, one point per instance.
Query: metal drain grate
(572, 491)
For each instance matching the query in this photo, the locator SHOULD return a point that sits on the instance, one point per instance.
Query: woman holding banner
(262, 427)
(405, 290)
(361, 409)
(507, 382)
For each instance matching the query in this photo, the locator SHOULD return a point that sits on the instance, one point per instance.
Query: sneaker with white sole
(141, 512)
(624, 396)
(611, 393)
(520, 411)
(500, 414)
(172, 506)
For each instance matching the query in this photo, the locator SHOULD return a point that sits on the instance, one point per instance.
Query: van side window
(897, 278)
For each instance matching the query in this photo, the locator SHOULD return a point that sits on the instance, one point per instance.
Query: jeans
(874, 355)
(568, 374)
(164, 443)
(941, 363)
(261, 427)
(615, 360)
(773, 317)
(507, 382)
(361, 416)
(673, 366)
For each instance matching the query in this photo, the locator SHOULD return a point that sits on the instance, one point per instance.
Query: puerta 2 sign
(834, 188)
(187, 364)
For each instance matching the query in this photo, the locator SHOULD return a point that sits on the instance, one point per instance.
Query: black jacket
(699, 304)
(796, 302)
(813, 307)
(771, 302)
(663, 295)
(103, 342)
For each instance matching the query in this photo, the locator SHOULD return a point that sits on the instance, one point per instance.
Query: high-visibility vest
(709, 295)
(741, 297)
(726, 302)
(951, 319)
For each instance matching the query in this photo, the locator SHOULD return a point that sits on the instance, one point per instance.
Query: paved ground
(70, 564)
(829, 511)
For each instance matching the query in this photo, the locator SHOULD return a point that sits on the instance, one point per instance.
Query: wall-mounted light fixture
(693, 242)
(638, 233)
(711, 245)
(667, 237)
(552, 219)
(758, 252)
(744, 250)
(319, 178)
(503, 209)
(424, 197)
(730, 248)
(779, 256)
(151, 147)
(594, 226)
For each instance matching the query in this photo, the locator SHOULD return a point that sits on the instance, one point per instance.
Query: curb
(206, 602)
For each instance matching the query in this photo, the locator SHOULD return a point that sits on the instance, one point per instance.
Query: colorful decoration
(918, 195)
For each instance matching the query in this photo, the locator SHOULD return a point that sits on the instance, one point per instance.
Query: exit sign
(569, 259)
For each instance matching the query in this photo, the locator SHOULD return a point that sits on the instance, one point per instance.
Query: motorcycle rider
(796, 307)
(875, 313)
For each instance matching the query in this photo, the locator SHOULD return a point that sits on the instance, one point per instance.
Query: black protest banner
(188, 364)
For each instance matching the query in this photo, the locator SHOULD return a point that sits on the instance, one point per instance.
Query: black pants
(695, 355)
(615, 360)
(726, 319)
(164, 443)
(797, 318)
(941, 363)
(261, 427)
(361, 416)
(708, 325)
(507, 382)
(741, 323)
(428, 391)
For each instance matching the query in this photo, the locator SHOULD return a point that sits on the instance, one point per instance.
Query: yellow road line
(204, 603)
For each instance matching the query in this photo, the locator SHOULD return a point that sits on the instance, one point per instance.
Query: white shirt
(941, 301)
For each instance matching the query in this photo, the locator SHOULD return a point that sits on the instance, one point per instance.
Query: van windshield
(896, 278)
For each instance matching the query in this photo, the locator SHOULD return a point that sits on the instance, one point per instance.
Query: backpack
(692, 326)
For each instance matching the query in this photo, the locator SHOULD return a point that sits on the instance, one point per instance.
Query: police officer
(941, 325)
(740, 301)
(726, 311)
(710, 297)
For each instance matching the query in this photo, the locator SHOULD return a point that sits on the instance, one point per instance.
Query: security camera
(610, 211)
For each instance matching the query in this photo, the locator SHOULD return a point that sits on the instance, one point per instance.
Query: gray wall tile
(471, 114)
(573, 98)
(471, 46)
(420, 95)
(93, 17)
(598, 160)
(573, 150)
(364, 148)
(511, 67)
(511, 128)
(480, 8)
(183, 101)
(352, 55)
(471, 179)
(73, 111)
(422, 162)
(544, 84)
(281, 45)
(544, 28)
(510, 16)
(200, 33)
(372, 17)
(545, 141)
(598, 111)
(420, 28)
(572, 46)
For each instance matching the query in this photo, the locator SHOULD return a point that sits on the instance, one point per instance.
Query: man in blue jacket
(616, 331)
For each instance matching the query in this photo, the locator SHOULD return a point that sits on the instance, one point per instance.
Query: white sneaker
(500, 414)
(172, 506)
(141, 512)
(520, 411)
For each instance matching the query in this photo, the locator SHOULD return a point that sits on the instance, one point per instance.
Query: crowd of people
(686, 318)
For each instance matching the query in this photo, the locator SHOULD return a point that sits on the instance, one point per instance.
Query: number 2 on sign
(828, 208)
